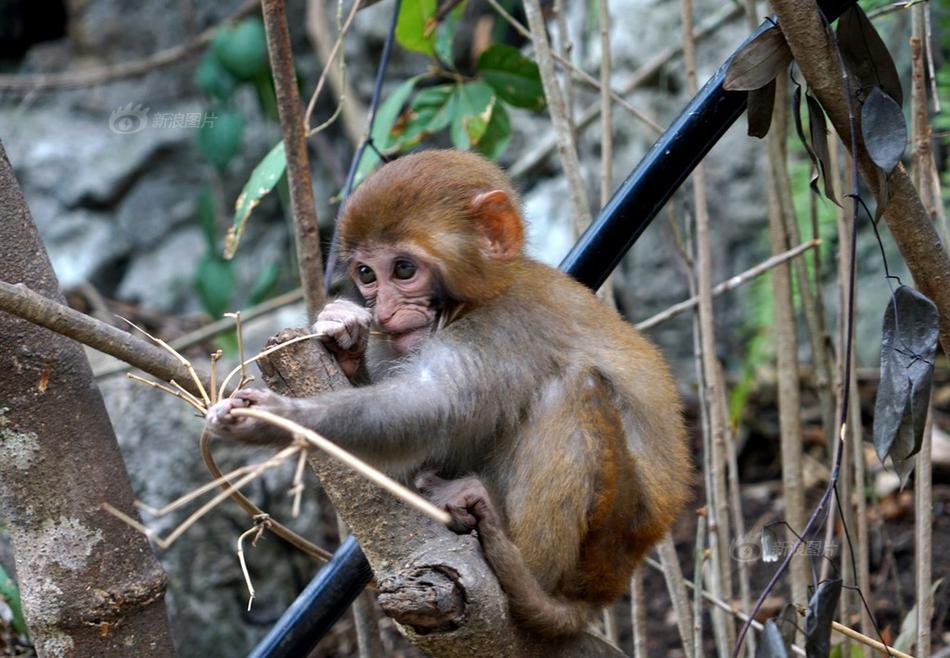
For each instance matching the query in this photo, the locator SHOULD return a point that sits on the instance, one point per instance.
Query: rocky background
(119, 213)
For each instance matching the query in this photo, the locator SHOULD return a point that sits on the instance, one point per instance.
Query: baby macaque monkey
(508, 393)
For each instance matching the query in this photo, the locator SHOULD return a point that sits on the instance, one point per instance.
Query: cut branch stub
(425, 599)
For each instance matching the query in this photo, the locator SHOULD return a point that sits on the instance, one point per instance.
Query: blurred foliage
(10, 595)
(237, 58)
(473, 108)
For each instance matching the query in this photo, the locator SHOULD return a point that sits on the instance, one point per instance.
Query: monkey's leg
(471, 507)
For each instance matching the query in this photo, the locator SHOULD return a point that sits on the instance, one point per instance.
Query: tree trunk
(90, 584)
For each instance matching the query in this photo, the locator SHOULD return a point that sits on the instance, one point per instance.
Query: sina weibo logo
(129, 119)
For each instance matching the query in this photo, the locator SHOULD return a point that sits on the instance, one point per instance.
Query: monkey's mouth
(403, 339)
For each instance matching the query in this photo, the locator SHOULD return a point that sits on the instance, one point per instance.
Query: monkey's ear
(500, 224)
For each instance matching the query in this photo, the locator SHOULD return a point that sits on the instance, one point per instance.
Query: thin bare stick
(717, 494)
(211, 329)
(923, 538)
(128, 520)
(303, 207)
(329, 59)
(256, 531)
(606, 122)
(583, 75)
(638, 615)
(347, 459)
(282, 531)
(838, 627)
(259, 356)
(187, 397)
(195, 493)
(297, 489)
(722, 605)
(202, 408)
(566, 48)
(240, 341)
(728, 284)
(786, 339)
(673, 574)
(567, 149)
(94, 76)
(259, 470)
(544, 146)
(700, 550)
(186, 364)
(213, 389)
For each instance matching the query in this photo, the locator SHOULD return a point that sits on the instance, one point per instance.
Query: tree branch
(302, 204)
(906, 216)
(22, 302)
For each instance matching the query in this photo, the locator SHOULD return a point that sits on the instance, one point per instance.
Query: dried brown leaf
(866, 53)
(759, 113)
(758, 62)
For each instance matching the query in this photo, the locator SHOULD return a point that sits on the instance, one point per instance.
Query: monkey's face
(401, 291)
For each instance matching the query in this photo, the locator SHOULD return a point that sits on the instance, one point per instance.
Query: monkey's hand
(344, 329)
(221, 422)
(465, 499)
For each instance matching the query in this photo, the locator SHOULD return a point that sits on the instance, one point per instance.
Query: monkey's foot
(465, 499)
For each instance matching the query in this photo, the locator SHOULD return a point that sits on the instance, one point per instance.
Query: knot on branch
(429, 599)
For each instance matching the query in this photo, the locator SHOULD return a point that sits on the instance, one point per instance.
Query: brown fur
(551, 425)
(426, 200)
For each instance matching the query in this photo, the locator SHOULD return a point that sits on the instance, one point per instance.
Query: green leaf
(261, 182)
(206, 216)
(219, 138)
(497, 135)
(242, 48)
(214, 281)
(429, 112)
(413, 27)
(213, 79)
(11, 594)
(472, 112)
(264, 285)
(514, 77)
(382, 127)
(445, 35)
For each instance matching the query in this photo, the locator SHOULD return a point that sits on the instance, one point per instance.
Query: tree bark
(433, 582)
(90, 584)
(908, 220)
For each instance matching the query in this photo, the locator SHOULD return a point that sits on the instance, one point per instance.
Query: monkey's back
(608, 407)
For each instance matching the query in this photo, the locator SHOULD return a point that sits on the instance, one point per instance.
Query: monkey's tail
(531, 607)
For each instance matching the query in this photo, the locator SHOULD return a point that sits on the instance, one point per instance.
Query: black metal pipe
(664, 168)
(598, 251)
(319, 605)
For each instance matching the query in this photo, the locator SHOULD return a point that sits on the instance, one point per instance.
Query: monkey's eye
(404, 269)
(365, 274)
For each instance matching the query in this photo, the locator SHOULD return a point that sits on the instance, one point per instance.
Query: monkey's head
(427, 233)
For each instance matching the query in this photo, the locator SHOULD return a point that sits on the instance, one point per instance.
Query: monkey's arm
(449, 391)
